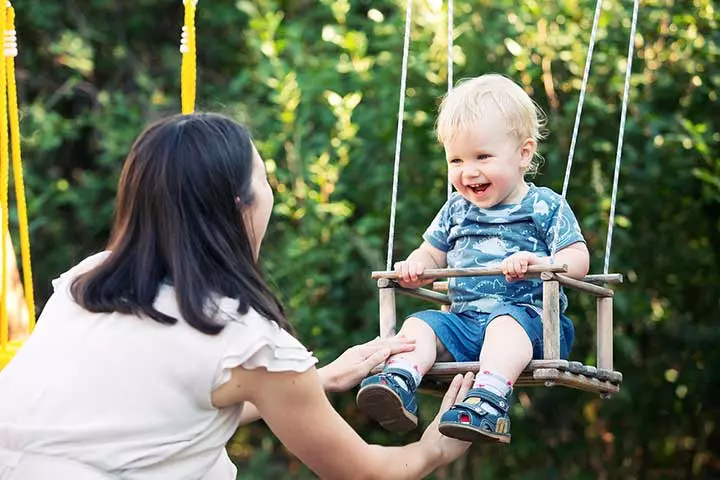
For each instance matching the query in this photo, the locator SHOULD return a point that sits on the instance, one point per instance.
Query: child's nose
(473, 171)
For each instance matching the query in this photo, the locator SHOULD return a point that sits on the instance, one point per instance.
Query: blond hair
(468, 102)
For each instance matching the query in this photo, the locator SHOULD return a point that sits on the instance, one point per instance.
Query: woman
(149, 355)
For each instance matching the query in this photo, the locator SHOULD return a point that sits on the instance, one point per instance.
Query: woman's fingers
(376, 358)
(400, 344)
(396, 344)
(451, 394)
(457, 391)
(467, 384)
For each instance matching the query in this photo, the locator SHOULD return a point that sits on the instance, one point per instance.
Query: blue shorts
(463, 334)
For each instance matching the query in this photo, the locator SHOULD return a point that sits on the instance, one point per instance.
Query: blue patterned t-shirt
(475, 237)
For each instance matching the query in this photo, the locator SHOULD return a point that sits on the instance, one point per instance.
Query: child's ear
(527, 152)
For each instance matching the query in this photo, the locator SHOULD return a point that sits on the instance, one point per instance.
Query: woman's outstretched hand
(450, 448)
(356, 362)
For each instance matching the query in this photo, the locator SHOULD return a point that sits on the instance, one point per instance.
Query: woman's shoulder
(84, 266)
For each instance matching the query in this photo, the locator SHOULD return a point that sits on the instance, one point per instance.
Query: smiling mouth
(479, 187)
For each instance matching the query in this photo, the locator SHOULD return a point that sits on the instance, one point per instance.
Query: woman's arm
(295, 407)
(342, 374)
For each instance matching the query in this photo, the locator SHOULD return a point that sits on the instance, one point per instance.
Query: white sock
(405, 366)
(494, 383)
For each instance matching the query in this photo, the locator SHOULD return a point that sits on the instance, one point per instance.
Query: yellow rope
(10, 54)
(189, 59)
(4, 184)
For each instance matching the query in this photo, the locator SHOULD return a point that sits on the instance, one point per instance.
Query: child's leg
(389, 397)
(506, 350)
(419, 361)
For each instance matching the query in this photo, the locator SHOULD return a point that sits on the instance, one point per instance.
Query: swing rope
(621, 134)
(10, 147)
(398, 137)
(188, 67)
(11, 51)
(4, 185)
(450, 62)
(576, 126)
(401, 113)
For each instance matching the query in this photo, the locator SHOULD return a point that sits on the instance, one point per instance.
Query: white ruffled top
(128, 396)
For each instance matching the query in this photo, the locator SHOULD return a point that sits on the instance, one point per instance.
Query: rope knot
(11, 46)
(185, 40)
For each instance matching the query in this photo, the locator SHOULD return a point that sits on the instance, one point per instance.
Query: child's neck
(517, 195)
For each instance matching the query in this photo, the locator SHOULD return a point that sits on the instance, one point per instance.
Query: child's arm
(575, 256)
(425, 256)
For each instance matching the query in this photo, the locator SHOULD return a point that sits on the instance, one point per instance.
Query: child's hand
(515, 266)
(409, 272)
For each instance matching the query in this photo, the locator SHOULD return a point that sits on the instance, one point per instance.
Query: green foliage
(318, 83)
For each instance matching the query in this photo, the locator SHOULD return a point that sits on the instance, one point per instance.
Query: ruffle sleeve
(255, 342)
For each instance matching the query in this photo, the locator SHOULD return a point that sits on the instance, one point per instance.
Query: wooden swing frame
(551, 370)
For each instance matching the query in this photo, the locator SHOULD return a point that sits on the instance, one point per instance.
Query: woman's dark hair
(178, 220)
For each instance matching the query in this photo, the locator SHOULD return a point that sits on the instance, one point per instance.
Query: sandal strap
(404, 374)
(497, 401)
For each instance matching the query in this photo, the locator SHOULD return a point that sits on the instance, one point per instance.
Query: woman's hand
(450, 448)
(356, 362)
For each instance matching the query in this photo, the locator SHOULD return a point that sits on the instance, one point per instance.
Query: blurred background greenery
(318, 83)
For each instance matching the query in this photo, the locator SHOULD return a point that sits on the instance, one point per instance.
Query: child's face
(486, 163)
(257, 214)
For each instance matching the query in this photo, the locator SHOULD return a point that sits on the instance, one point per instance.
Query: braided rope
(4, 184)
(11, 51)
(450, 80)
(398, 137)
(576, 127)
(621, 134)
(188, 68)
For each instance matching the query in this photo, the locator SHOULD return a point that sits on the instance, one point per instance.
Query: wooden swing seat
(551, 370)
(546, 373)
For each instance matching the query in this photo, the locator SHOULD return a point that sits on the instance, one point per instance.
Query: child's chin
(480, 202)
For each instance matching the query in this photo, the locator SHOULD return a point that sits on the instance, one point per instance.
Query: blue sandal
(469, 422)
(383, 399)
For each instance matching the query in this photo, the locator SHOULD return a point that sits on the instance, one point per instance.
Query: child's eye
(455, 160)
(483, 156)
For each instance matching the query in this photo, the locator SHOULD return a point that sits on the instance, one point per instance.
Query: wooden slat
(538, 378)
(538, 373)
(422, 293)
(595, 279)
(573, 380)
(468, 272)
(388, 320)
(551, 320)
(440, 286)
(605, 333)
(578, 285)
(608, 278)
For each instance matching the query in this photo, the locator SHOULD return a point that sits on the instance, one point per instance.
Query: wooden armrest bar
(595, 279)
(468, 272)
(425, 294)
(610, 278)
(579, 285)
